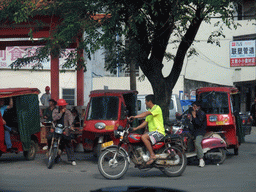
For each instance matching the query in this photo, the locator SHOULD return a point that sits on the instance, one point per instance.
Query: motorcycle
(114, 160)
(214, 146)
(54, 151)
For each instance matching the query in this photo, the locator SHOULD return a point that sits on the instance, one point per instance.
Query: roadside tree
(147, 26)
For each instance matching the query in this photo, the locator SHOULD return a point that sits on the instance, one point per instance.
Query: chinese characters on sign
(10, 54)
(242, 53)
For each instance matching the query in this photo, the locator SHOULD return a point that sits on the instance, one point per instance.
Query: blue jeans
(7, 136)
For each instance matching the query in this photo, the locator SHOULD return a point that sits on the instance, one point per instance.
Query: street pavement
(236, 174)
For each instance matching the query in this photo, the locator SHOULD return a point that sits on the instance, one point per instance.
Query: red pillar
(80, 76)
(80, 87)
(54, 78)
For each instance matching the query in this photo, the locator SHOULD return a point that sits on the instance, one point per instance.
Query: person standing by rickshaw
(253, 113)
(63, 116)
(7, 129)
(48, 111)
(200, 122)
(76, 117)
(46, 97)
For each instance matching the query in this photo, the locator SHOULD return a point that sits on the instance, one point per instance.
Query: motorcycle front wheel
(113, 164)
(31, 154)
(52, 155)
(177, 162)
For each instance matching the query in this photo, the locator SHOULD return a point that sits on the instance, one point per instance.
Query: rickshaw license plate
(220, 123)
(103, 145)
(109, 127)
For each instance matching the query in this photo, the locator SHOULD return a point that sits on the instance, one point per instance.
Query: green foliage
(147, 24)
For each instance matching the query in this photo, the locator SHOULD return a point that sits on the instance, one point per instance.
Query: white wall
(143, 87)
(35, 79)
(213, 64)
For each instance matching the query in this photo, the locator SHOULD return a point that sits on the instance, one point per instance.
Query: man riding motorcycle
(154, 120)
(63, 116)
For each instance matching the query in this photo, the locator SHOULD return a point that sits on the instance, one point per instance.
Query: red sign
(240, 62)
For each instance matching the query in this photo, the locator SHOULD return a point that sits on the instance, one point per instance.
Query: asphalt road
(238, 173)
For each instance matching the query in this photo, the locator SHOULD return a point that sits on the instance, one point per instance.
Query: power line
(210, 61)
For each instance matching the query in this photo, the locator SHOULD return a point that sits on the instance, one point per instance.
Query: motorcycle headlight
(175, 129)
(59, 125)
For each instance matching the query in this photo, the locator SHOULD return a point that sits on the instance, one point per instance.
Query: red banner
(240, 62)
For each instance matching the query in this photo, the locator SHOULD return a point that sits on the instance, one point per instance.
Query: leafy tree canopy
(148, 25)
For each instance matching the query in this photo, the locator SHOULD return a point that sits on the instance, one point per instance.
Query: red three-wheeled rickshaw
(221, 106)
(24, 120)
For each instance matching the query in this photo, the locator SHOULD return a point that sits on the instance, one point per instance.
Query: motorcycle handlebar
(130, 129)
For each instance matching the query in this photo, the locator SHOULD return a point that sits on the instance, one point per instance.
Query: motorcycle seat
(172, 137)
(207, 135)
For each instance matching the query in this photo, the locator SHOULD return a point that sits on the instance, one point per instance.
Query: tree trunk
(152, 68)
(132, 75)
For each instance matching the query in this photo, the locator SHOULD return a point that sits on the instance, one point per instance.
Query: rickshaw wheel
(235, 150)
(217, 156)
(31, 154)
(97, 150)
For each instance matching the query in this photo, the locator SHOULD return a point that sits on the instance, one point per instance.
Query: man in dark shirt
(189, 130)
(48, 111)
(253, 113)
(199, 121)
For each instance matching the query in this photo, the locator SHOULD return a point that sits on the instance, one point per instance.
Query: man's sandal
(151, 160)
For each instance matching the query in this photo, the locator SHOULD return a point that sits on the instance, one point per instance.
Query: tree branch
(186, 42)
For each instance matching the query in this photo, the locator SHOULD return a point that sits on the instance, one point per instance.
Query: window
(103, 108)
(123, 112)
(69, 96)
(139, 105)
(246, 10)
(214, 102)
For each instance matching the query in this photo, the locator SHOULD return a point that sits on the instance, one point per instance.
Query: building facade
(213, 66)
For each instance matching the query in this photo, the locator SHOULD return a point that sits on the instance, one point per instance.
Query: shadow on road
(12, 157)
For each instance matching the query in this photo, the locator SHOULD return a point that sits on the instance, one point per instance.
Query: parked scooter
(214, 146)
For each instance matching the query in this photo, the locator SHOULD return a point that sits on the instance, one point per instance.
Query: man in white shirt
(46, 97)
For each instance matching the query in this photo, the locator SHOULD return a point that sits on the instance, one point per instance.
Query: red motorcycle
(115, 159)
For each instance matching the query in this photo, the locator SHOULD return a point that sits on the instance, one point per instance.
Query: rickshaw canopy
(112, 92)
(26, 106)
(230, 90)
(11, 92)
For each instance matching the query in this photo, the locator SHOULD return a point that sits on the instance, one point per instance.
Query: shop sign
(10, 54)
(242, 53)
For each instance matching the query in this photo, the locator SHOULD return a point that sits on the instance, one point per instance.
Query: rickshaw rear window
(214, 102)
(103, 108)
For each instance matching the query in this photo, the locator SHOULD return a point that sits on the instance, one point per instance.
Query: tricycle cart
(220, 105)
(24, 118)
(106, 110)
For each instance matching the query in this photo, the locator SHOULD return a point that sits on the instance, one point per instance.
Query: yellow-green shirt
(155, 121)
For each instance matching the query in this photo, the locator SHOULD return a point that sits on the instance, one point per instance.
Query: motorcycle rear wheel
(113, 168)
(217, 156)
(52, 156)
(175, 170)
